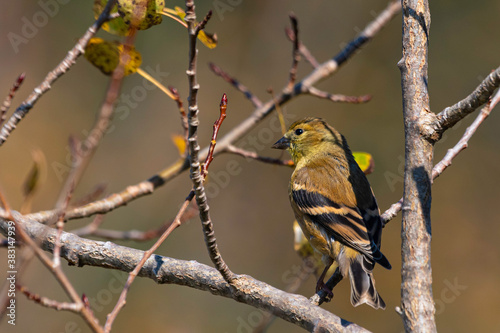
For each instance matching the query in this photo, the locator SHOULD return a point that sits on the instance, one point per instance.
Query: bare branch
(148, 186)
(253, 155)
(235, 83)
(328, 68)
(8, 100)
(302, 49)
(135, 235)
(85, 312)
(182, 111)
(439, 167)
(213, 142)
(338, 98)
(146, 255)
(49, 303)
(483, 92)
(60, 70)
(163, 270)
(295, 52)
(197, 174)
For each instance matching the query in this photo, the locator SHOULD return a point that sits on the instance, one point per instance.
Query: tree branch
(417, 303)
(198, 172)
(163, 270)
(453, 114)
(337, 97)
(8, 100)
(438, 169)
(60, 70)
(148, 186)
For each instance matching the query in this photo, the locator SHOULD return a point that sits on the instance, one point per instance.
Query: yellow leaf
(34, 179)
(106, 56)
(208, 39)
(180, 143)
(365, 162)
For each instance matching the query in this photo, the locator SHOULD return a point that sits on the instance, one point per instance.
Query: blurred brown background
(251, 211)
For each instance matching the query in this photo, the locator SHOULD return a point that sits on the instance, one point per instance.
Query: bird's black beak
(282, 143)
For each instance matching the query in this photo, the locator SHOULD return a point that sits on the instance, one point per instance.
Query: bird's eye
(299, 131)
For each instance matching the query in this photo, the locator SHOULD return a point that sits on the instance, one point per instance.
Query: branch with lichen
(293, 308)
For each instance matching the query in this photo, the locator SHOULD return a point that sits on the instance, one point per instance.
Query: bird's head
(309, 136)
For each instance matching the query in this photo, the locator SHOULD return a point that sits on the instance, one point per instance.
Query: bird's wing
(345, 223)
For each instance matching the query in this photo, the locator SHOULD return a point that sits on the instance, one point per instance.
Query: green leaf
(106, 56)
(365, 162)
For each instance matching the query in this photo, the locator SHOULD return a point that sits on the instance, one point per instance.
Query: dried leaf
(36, 173)
(180, 143)
(142, 14)
(106, 56)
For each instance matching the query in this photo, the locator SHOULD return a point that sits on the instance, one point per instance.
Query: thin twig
(253, 155)
(302, 49)
(60, 70)
(483, 92)
(182, 112)
(8, 100)
(337, 97)
(50, 303)
(197, 175)
(90, 228)
(63, 280)
(123, 296)
(236, 84)
(93, 195)
(295, 52)
(179, 219)
(216, 127)
(135, 235)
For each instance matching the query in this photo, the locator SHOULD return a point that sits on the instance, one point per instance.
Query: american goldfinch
(335, 207)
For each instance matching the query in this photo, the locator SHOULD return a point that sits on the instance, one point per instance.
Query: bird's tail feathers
(363, 286)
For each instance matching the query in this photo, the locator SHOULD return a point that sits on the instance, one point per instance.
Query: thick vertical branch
(416, 290)
(194, 148)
